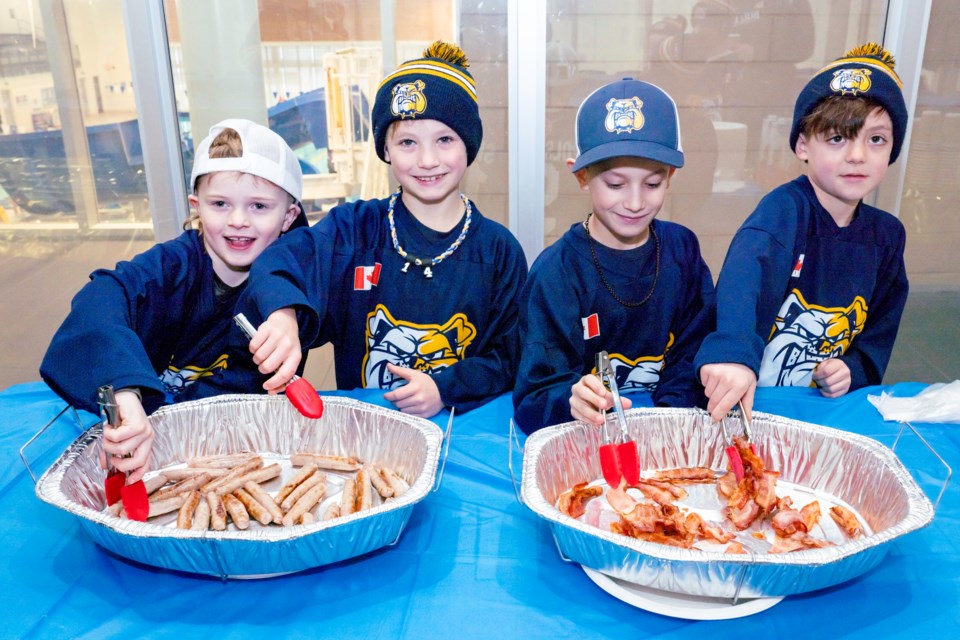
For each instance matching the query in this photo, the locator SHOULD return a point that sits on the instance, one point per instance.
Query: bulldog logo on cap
(408, 100)
(851, 81)
(624, 115)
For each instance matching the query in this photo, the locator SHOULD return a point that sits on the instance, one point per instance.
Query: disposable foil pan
(855, 470)
(267, 425)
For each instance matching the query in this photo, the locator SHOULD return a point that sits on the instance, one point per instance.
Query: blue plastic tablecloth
(472, 562)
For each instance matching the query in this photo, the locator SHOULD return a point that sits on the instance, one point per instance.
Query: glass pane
(483, 36)
(311, 69)
(70, 155)
(734, 68)
(931, 194)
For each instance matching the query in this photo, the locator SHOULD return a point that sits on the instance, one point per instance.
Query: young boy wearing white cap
(618, 281)
(159, 328)
(814, 283)
(417, 292)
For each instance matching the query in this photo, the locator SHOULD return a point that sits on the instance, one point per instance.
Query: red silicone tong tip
(610, 465)
(136, 503)
(304, 397)
(736, 462)
(629, 462)
(113, 486)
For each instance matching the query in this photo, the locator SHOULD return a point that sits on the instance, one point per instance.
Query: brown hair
(227, 144)
(839, 115)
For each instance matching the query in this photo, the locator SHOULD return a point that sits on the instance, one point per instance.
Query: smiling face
(429, 160)
(842, 169)
(627, 194)
(240, 215)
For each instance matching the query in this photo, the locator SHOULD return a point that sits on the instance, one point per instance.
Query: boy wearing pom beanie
(618, 281)
(417, 292)
(814, 283)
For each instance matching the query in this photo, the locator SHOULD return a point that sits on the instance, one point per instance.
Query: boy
(159, 327)
(618, 281)
(814, 284)
(417, 292)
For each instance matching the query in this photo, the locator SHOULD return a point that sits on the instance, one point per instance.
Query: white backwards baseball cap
(265, 155)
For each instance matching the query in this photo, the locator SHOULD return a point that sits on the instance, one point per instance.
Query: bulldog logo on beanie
(408, 100)
(850, 81)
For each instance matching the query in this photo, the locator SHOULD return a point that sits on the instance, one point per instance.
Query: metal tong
(136, 503)
(733, 454)
(619, 459)
(299, 392)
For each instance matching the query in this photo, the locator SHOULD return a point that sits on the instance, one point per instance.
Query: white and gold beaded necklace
(427, 263)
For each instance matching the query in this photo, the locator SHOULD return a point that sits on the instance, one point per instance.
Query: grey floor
(41, 274)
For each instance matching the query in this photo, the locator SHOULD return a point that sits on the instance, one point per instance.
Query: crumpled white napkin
(939, 402)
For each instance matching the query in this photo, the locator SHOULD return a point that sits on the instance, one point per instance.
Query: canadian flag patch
(365, 278)
(797, 267)
(591, 326)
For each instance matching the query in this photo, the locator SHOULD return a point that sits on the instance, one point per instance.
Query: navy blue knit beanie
(434, 87)
(865, 71)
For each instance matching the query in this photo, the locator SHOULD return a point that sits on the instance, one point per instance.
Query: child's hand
(726, 384)
(589, 396)
(133, 436)
(419, 397)
(276, 348)
(833, 378)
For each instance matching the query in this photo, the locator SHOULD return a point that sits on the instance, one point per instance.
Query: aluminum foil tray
(271, 426)
(841, 467)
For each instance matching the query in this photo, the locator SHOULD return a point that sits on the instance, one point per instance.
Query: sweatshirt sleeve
(491, 370)
(551, 357)
(870, 351)
(679, 385)
(294, 272)
(750, 288)
(112, 319)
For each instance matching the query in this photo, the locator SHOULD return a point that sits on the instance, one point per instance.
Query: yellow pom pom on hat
(434, 87)
(864, 71)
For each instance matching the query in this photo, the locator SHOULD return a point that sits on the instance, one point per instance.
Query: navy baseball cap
(628, 118)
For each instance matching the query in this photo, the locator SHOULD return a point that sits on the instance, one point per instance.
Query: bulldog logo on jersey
(408, 99)
(424, 347)
(640, 374)
(805, 334)
(175, 379)
(624, 115)
(851, 81)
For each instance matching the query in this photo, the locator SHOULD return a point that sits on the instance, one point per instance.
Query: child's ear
(291, 214)
(194, 203)
(801, 148)
(581, 175)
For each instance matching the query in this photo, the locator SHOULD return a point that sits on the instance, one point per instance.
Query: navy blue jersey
(567, 316)
(796, 289)
(347, 283)
(155, 322)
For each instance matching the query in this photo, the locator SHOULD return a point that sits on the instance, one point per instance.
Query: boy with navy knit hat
(159, 328)
(618, 281)
(814, 283)
(417, 292)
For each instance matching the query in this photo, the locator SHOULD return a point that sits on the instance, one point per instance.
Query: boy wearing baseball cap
(814, 283)
(619, 280)
(417, 292)
(159, 327)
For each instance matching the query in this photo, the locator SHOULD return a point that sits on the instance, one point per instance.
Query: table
(472, 562)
